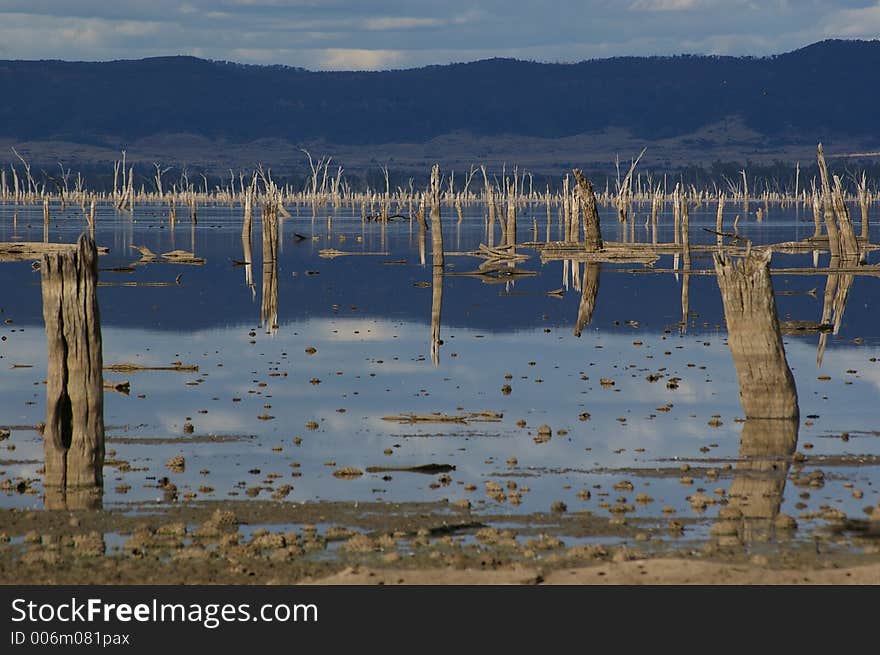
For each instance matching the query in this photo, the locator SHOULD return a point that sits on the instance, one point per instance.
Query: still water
(643, 407)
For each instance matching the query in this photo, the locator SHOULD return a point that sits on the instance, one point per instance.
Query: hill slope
(825, 90)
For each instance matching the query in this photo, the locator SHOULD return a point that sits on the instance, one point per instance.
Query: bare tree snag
(74, 433)
(766, 385)
(436, 229)
(828, 205)
(864, 202)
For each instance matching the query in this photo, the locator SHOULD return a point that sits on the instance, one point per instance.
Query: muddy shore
(416, 543)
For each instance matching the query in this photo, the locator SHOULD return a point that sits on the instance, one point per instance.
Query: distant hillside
(827, 89)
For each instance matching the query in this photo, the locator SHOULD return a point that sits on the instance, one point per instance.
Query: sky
(384, 34)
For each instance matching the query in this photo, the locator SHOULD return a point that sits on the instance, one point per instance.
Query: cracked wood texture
(766, 385)
(74, 433)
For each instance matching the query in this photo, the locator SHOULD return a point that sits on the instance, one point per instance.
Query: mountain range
(712, 106)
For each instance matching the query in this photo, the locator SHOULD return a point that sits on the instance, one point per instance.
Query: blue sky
(380, 34)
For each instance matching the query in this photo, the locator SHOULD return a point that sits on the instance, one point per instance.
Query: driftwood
(128, 367)
(74, 432)
(19, 251)
(766, 385)
(331, 253)
(464, 419)
(118, 387)
(183, 257)
(173, 257)
(429, 469)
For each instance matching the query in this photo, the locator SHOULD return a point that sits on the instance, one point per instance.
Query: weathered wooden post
(719, 220)
(592, 228)
(91, 218)
(436, 230)
(438, 265)
(864, 202)
(269, 302)
(73, 438)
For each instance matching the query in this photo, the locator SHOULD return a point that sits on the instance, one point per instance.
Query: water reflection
(768, 395)
(589, 292)
(436, 308)
(765, 453)
(269, 298)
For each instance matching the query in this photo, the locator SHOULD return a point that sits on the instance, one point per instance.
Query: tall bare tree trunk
(436, 229)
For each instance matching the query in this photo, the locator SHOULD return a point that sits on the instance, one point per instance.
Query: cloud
(378, 34)
(665, 5)
(860, 22)
(401, 23)
(358, 59)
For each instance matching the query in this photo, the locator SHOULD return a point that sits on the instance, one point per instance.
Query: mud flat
(411, 543)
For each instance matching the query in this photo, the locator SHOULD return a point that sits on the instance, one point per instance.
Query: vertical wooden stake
(74, 433)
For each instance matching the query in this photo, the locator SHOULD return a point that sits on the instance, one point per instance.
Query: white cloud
(379, 34)
(358, 59)
(861, 22)
(400, 23)
(665, 5)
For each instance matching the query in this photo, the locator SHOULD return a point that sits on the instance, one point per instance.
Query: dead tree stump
(74, 433)
(766, 385)
(592, 229)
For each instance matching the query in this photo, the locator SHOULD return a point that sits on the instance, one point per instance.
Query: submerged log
(74, 433)
(766, 385)
(27, 250)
